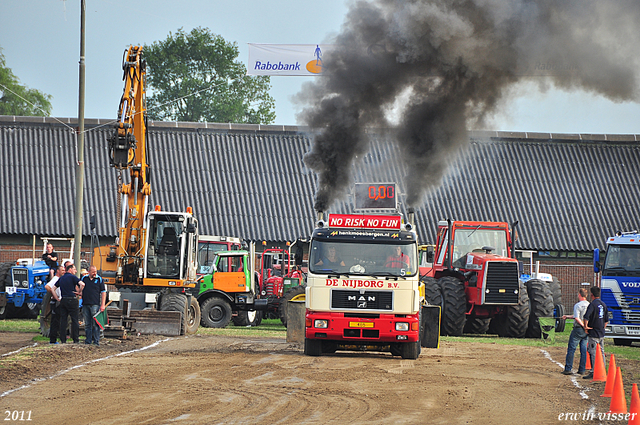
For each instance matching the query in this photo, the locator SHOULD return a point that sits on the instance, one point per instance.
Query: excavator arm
(128, 152)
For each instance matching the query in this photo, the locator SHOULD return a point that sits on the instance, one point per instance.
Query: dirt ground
(233, 380)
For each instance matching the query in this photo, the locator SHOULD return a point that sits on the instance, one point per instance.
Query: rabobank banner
(286, 59)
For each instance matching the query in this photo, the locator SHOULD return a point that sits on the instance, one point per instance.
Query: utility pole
(77, 260)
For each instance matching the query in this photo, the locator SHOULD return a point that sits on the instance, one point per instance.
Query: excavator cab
(172, 244)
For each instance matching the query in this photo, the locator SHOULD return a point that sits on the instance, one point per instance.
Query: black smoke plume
(446, 65)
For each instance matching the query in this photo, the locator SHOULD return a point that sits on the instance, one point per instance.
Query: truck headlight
(402, 326)
(25, 284)
(321, 323)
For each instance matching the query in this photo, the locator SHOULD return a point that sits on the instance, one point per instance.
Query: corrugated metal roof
(567, 191)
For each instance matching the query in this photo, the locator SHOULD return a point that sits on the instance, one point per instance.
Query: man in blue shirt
(94, 295)
(70, 288)
(595, 322)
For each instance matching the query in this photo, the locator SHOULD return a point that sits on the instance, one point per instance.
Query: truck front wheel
(312, 347)
(216, 313)
(410, 350)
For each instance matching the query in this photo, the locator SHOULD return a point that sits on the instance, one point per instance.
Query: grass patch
(20, 325)
(271, 328)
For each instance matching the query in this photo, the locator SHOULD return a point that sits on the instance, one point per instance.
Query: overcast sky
(40, 40)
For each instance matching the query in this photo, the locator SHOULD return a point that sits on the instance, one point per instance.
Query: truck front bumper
(350, 328)
(623, 331)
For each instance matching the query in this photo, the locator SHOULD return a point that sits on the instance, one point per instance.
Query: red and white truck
(363, 286)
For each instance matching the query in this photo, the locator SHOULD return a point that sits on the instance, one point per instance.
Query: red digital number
(381, 192)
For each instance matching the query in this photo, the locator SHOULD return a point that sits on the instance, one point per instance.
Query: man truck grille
(367, 300)
(502, 283)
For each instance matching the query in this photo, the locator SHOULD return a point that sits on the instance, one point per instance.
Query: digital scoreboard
(376, 196)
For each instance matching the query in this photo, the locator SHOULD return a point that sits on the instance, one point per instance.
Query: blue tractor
(23, 286)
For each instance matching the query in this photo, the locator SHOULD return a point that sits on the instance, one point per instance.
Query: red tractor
(475, 278)
(282, 278)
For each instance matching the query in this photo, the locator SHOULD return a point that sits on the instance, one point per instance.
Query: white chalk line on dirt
(17, 351)
(574, 379)
(124, 353)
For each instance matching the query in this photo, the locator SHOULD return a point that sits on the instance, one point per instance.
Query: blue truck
(620, 284)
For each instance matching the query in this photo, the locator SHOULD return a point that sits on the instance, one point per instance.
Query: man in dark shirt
(70, 287)
(51, 258)
(94, 295)
(595, 322)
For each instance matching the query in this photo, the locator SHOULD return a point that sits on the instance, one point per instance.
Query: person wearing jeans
(94, 295)
(578, 335)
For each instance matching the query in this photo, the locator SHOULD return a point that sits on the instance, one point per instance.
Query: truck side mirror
(191, 228)
(430, 254)
(596, 260)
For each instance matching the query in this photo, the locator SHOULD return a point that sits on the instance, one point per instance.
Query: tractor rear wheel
(176, 302)
(454, 305)
(5, 269)
(515, 321)
(284, 301)
(540, 305)
(432, 292)
(477, 325)
(216, 313)
(556, 291)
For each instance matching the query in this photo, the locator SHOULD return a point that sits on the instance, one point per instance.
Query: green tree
(16, 99)
(195, 77)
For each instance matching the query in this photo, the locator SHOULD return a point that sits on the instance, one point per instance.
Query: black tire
(410, 350)
(515, 322)
(247, 318)
(5, 269)
(282, 308)
(216, 313)
(312, 347)
(193, 317)
(540, 305)
(454, 306)
(329, 347)
(558, 312)
(477, 325)
(432, 292)
(176, 302)
(45, 317)
(556, 291)
(622, 342)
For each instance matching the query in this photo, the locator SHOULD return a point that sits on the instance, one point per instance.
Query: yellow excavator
(153, 262)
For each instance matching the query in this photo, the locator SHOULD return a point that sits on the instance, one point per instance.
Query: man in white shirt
(578, 335)
(56, 296)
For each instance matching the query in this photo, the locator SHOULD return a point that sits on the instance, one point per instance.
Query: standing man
(54, 306)
(94, 295)
(595, 321)
(51, 258)
(70, 288)
(578, 335)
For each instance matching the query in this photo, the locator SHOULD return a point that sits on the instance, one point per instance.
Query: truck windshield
(371, 259)
(623, 258)
(472, 240)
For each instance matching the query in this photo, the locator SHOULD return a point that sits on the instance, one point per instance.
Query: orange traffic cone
(599, 371)
(588, 367)
(618, 400)
(611, 378)
(635, 406)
